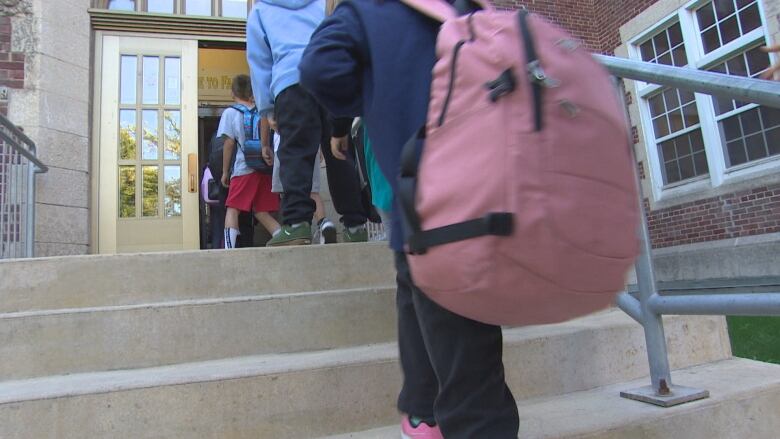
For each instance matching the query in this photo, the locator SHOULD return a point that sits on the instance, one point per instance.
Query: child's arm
(260, 62)
(332, 65)
(266, 139)
(227, 159)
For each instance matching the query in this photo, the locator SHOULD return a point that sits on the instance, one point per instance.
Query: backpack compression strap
(418, 240)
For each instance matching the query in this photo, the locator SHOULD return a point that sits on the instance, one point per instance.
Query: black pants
(303, 127)
(453, 369)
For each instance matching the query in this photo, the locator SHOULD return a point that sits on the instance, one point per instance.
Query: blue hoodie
(277, 32)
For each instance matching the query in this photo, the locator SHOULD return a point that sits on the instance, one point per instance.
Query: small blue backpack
(252, 147)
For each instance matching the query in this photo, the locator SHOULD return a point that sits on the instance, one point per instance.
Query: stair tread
(58, 386)
(602, 410)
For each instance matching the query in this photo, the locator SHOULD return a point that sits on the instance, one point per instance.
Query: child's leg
(298, 118)
(473, 399)
(268, 221)
(231, 227)
(319, 211)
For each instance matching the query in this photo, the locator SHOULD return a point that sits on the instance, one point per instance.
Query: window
(122, 5)
(196, 8)
(693, 136)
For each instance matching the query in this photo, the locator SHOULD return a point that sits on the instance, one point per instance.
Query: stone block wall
(45, 64)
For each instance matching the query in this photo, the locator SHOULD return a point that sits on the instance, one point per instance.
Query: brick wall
(745, 213)
(11, 63)
(596, 22)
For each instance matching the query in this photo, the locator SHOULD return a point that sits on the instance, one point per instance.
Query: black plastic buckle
(502, 86)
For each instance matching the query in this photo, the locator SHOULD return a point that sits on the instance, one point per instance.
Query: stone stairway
(234, 345)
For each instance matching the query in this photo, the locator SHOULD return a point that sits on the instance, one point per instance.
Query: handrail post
(30, 216)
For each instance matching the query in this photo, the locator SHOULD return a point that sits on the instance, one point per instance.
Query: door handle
(192, 169)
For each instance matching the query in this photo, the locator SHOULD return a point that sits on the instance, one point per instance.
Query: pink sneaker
(423, 431)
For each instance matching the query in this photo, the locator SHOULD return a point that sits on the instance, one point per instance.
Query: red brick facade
(596, 22)
(11, 63)
(745, 213)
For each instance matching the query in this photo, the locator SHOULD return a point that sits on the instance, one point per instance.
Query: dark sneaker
(356, 234)
(328, 232)
(290, 235)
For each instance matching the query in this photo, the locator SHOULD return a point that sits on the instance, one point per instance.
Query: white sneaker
(327, 232)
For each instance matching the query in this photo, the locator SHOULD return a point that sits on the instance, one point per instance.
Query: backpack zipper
(453, 71)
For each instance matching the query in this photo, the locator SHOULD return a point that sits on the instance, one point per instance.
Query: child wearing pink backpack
(454, 384)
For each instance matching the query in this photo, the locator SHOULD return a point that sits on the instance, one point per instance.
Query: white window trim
(719, 174)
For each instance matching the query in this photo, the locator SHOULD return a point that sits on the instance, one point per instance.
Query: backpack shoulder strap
(441, 10)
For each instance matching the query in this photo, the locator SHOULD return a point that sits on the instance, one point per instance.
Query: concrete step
(312, 394)
(54, 342)
(131, 279)
(744, 401)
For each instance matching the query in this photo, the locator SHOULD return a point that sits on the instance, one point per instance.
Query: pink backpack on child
(522, 208)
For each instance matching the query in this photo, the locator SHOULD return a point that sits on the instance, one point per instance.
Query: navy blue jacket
(373, 58)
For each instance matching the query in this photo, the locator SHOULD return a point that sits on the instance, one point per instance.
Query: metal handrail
(22, 146)
(15, 137)
(650, 306)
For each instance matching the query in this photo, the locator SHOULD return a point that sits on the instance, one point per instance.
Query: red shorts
(252, 192)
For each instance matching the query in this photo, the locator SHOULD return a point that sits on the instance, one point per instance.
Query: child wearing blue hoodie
(373, 58)
(277, 34)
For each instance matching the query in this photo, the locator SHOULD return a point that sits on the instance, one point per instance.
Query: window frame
(719, 172)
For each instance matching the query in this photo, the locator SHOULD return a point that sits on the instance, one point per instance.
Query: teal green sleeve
(381, 191)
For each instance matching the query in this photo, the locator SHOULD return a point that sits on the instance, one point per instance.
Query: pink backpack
(206, 185)
(522, 208)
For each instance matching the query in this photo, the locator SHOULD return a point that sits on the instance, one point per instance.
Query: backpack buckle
(538, 76)
(502, 86)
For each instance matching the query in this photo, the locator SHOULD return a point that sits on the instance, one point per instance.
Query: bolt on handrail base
(677, 395)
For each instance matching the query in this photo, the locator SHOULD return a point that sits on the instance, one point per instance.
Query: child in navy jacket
(373, 58)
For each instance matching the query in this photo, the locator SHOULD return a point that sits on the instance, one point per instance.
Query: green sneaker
(290, 235)
(358, 234)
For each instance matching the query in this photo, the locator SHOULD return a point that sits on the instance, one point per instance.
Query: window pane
(736, 66)
(700, 163)
(672, 172)
(690, 115)
(724, 8)
(757, 61)
(679, 57)
(657, 105)
(151, 138)
(121, 5)
(729, 30)
(736, 152)
(661, 43)
(756, 148)
(151, 77)
(710, 39)
(234, 8)
(672, 99)
(676, 121)
(127, 191)
(128, 142)
(150, 190)
(647, 51)
(661, 127)
(172, 191)
(675, 35)
(172, 135)
(750, 19)
(128, 79)
(770, 117)
(160, 6)
(197, 7)
(668, 151)
(731, 129)
(751, 123)
(686, 168)
(773, 140)
(706, 16)
(172, 81)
